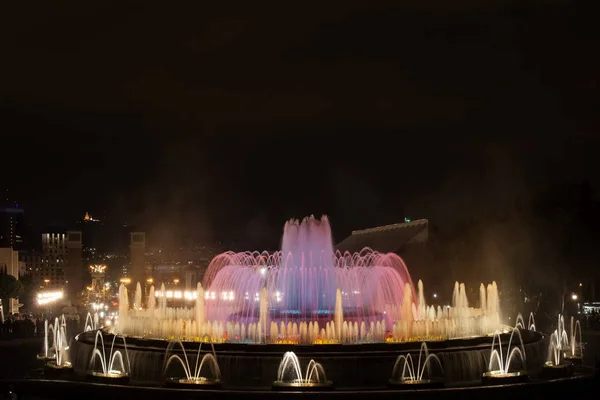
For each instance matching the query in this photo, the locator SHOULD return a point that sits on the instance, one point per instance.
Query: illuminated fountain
(47, 353)
(520, 324)
(289, 374)
(112, 369)
(574, 354)
(60, 365)
(408, 376)
(91, 322)
(193, 377)
(506, 366)
(253, 307)
(51, 331)
(307, 294)
(564, 350)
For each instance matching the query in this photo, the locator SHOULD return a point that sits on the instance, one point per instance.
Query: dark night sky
(222, 122)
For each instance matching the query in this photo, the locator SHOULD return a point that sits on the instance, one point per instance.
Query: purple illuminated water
(301, 280)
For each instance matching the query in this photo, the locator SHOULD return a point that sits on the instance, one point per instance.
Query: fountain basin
(551, 371)
(575, 360)
(302, 384)
(111, 377)
(193, 383)
(415, 384)
(45, 358)
(504, 378)
(243, 365)
(52, 370)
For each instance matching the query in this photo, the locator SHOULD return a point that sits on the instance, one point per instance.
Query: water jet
(289, 375)
(193, 377)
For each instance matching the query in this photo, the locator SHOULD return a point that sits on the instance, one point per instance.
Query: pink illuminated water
(302, 279)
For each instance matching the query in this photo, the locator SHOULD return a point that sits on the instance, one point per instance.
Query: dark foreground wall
(348, 366)
(583, 387)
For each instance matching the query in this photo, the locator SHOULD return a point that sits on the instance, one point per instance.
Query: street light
(574, 296)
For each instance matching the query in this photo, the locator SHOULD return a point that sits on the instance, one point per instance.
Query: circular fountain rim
(45, 358)
(416, 384)
(301, 384)
(109, 375)
(178, 381)
(52, 364)
(147, 344)
(498, 374)
(497, 377)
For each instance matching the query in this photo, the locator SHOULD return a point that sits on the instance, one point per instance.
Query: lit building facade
(34, 266)
(11, 228)
(97, 289)
(54, 260)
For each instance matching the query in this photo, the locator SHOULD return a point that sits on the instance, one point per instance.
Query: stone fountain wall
(368, 367)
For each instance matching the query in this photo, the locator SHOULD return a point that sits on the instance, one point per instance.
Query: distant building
(9, 263)
(388, 238)
(137, 257)
(62, 263)
(408, 240)
(54, 260)
(93, 243)
(34, 265)
(11, 227)
(75, 267)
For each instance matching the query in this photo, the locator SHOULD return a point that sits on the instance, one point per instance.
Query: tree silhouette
(10, 288)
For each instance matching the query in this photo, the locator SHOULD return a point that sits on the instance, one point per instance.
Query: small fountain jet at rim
(503, 361)
(108, 369)
(91, 322)
(48, 352)
(559, 364)
(193, 377)
(574, 354)
(520, 324)
(314, 377)
(52, 330)
(60, 363)
(413, 376)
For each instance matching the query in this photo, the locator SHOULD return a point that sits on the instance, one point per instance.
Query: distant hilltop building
(88, 218)
(93, 238)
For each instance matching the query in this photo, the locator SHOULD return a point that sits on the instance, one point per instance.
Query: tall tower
(98, 273)
(74, 270)
(11, 223)
(137, 257)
